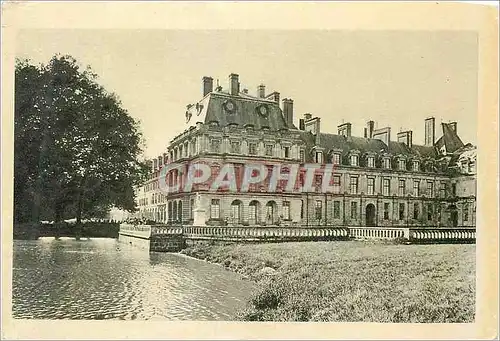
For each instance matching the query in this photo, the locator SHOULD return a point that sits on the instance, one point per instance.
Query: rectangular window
(371, 161)
(336, 209)
(252, 148)
(302, 156)
(235, 147)
(269, 150)
(401, 165)
(416, 166)
(286, 151)
(215, 209)
(354, 185)
(302, 209)
(415, 211)
(336, 159)
(416, 188)
(466, 212)
(402, 187)
(354, 160)
(191, 208)
(317, 181)
(454, 189)
(354, 210)
(430, 188)
(286, 210)
(442, 190)
(387, 163)
(319, 157)
(401, 211)
(386, 211)
(319, 209)
(429, 211)
(371, 186)
(386, 188)
(215, 145)
(336, 184)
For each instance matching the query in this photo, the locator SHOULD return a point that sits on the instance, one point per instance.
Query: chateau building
(375, 180)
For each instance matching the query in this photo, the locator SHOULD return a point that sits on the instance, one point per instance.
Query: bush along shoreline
(352, 282)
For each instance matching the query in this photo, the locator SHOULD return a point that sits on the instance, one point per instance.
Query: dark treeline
(77, 151)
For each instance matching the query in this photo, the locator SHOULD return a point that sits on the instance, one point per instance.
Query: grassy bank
(352, 281)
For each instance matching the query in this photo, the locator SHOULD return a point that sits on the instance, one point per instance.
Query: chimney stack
(288, 111)
(453, 125)
(275, 96)
(208, 85)
(345, 129)
(370, 127)
(234, 84)
(307, 116)
(430, 131)
(261, 91)
(405, 137)
(245, 91)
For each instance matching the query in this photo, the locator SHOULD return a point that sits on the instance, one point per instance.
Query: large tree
(77, 150)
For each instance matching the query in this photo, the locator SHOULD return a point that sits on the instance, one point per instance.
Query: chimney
(208, 85)
(383, 134)
(453, 125)
(430, 131)
(302, 125)
(345, 129)
(307, 116)
(370, 127)
(275, 96)
(406, 137)
(234, 84)
(288, 111)
(261, 91)
(245, 91)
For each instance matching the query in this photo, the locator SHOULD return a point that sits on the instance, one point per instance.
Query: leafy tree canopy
(77, 150)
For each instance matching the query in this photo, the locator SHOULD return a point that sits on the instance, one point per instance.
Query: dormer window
(402, 164)
(235, 147)
(319, 157)
(371, 161)
(354, 160)
(336, 159)
(215, 145)
(269, 150)
(416, 166)
(286, 151)
(302, 156)
(387, 163)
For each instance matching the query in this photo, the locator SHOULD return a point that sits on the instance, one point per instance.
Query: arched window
(254, 212)
(236, 213)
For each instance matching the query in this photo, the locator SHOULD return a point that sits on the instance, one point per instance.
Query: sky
(396, 78)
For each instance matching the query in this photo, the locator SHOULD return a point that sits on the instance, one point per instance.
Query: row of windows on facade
(318, 210)
(353, 188)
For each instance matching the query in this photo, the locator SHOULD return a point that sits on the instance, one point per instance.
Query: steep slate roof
(333, 141)
(450, 139)
(245, 112)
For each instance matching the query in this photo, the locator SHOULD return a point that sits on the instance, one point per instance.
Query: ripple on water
(96, 279)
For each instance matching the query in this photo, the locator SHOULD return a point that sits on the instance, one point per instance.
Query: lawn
(353, 281)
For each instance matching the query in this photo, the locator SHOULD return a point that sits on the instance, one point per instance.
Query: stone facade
(376, 181)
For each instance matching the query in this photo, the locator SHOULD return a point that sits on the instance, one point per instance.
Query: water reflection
(103, 279)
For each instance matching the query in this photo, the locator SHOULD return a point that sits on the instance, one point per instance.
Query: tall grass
(353, 281)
